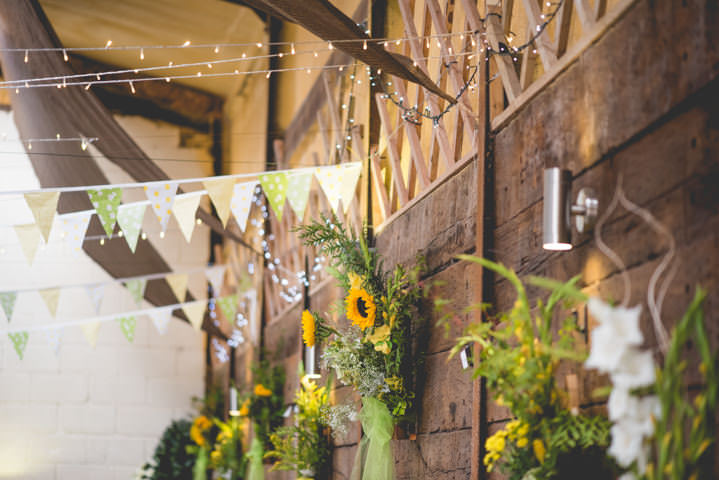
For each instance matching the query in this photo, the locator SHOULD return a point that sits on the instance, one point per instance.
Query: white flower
(627, 442)
(621, 404)
(648, 409)
(628, 476)
(636, 369)
(617, 331)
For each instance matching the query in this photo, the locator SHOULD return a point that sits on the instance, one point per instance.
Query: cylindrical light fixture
(557, 184)
(234, 412)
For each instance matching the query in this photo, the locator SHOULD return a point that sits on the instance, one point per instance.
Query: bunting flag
(161, 197)
(178, 284)
(136, 287)
(96, 293)
(106, 202)
(53, 336)
(195, 312)
(19, 341)
(161, 318)
(130, 217)
(298, 192)
(339, 183)
(228, 307)
(216, 275)
(90, 331)
(220, 192)
(275, 187)
(127, 325)
(185, 209)
(7, 300)
(29, 236)
(73, 228)
(51, 297)
(43, 206)
(242, 202)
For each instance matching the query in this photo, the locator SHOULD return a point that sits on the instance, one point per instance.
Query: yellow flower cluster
(308, 328)
(515, 431)
(198, 428)
(262, 391)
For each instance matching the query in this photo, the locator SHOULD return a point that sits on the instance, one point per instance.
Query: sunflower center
(362, 307)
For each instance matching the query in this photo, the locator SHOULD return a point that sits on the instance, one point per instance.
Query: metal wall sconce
(558, 210)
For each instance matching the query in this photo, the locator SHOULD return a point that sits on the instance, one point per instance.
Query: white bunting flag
(242, 202)
(220, 192)
(161, 197)
(30, 237)
(178, 284)
(72, 229)
(90, 330)
(96, 293)
(216, 275)
(184, 210)
(339, 183)
(53, 336)
(43, 206)
(195, 312)
(161, 318)
(51, 297)
(130, 217)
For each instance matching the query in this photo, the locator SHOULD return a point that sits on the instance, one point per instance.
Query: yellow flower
(355, 281)
(215, 456)
(522, 442)
(496, 442)
(245, 408)
(199, 426)
(308, 328)
(360, 308)
(395, 383)
(262, 391)
(539, 450)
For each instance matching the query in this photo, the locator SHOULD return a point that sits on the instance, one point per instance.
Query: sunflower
(360, 308)
(198, 428)
(308, 328)
(262, 391)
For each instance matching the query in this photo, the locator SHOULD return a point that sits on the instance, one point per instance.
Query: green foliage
(226, 457)
(171, 460)
(266, 411)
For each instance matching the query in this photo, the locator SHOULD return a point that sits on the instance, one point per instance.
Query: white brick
(37, 358)
(181, 334)
(65, 449)
(125, 451)
(87, 419)
(117, 390)
(190, 362)
(125, 473)
(95, 449)
(40, 472)
(145, 362)
(80, 358)
(51, 388)
(173, 392)
(83, 472)
(147, 421)
(14, 387)
(29, 418)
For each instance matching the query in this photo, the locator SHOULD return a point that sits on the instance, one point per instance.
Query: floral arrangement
(264, 406)
(518, 357)
(204, 431)
(226, 457)
(171, 460)
(374, 353)
(304, 447)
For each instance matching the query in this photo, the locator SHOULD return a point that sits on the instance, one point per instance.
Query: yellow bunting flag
(29, 236)
(216, 275)
(339, 183)
(185, 209)
(220, 191)
(51, 297)
(90, 331)
(195, 312)
(178, 284)
(43, 206)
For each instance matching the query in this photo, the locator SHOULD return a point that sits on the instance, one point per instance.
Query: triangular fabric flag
(161, 318)
(275, 187)
(7, 300)
(106, 202)
(136, 287)
(298, 192)
(96, 293)
(90, 331)
(228, 306)
(72, 229)
(29, 236)
(51, 296)
(185, 208)
(242, 202)
(178, 284)
(43, 206)
(339, 183)
(127, 325)
(130, 217)
(220, 192)
(161, 197)
(215, 275)
(53, 335)
(195, 312)
(19, 341)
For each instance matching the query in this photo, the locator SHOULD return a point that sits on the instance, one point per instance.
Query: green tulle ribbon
(199, 471)
(374, 459)
(255, 469)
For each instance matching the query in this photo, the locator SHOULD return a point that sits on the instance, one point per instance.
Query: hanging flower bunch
(519, 355)
(373, 353)
(304, 447)
(265, 404)
(226, 457)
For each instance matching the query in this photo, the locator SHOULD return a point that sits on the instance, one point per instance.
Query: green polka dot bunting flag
(275, 187)
(127, 325)
(19, 342)
(7, 300)
(72, 230)
(130, 217)
(106, 202)
(298, 191)
(136, 287)
(242, 202)
(161, 197)
(228, 306)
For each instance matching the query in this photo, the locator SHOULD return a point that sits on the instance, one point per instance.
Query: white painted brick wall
(96, 414)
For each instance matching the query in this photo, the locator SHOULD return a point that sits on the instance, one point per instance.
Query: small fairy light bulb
(142, 54)
(427, 42)
(144, 236)
(108, 44)
(292, 48)
(170, 63)
(474, 42)
(398, 42)
(132, 87)
(120, 234)
(217, 49)
(244, 55)
(259, 44)
(64, 55)
(379, 71)
(199, 74)
(308, 71)
(209, 65)
(281, 54)
(17, 91)
(29, 145)
(167, 79)
(198, 221)
(102, 241)
(186, 44)
(97, 76)
(386, 44)
(57, 136)
(364, 45)
(162, 234)
(268, 75)
(316, 54)
(330, 46)
(26, 56)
